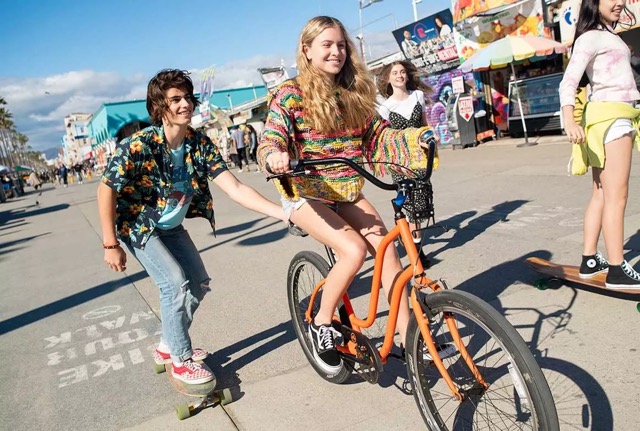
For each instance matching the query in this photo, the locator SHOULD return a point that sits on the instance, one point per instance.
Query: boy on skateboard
(155, 179)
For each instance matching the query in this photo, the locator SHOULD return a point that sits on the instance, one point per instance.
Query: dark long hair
(589, 19)
(413, 79)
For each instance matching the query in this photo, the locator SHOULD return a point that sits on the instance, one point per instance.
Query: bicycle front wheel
(306, 270)
(518, 395)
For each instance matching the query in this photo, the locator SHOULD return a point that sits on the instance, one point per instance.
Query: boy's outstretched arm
(247, 196)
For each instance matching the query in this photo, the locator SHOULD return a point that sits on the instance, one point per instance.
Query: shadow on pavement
(8, 244)
(227, 369)
(580, 399)
(8, 216)
(475, 227)
(248, 237)
(63, 304)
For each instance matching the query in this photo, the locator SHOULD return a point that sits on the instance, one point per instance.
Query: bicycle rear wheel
(306, 270)
(518, 396)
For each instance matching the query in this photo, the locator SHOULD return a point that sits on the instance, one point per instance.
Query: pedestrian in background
(34, 181)
(404, 107)
(608, 129)
(238, 138)
(63, 173)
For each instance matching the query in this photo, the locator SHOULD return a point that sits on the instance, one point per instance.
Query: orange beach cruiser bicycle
(490, 381)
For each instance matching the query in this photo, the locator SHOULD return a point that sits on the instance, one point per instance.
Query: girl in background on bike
(329, 110)
(404, 107)
(610, 121)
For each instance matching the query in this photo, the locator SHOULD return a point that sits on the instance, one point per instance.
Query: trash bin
(461, 121)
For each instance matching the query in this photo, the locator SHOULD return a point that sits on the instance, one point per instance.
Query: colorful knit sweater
(288, 130)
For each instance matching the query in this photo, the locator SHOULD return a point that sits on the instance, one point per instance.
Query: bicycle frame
(416, 272)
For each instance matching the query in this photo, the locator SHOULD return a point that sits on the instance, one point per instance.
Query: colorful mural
(442, 92)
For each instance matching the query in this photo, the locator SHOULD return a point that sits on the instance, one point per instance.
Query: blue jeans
(173, 262)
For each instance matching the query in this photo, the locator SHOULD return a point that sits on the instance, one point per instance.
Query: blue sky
(85, 53)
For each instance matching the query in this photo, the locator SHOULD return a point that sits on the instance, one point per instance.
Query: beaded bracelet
(110, 247)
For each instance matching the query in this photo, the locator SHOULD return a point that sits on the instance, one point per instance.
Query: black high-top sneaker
(623, 277)
(324, 348)
(593, 265)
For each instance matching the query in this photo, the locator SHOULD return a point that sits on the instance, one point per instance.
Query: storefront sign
(569, 18)
(272, 76)
(429, 43)
(463, 9)
(524, 19)
(465, 107)
(458, 85)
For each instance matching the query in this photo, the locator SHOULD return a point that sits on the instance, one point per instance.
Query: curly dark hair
(157, 89)
(413, 79)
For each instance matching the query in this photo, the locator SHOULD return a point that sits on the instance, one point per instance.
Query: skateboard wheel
(542, 284)
(182, 411)
(225, 397)
(159, 368)
(638, 307)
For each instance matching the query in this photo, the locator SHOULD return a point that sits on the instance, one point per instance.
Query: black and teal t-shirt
(180, 195)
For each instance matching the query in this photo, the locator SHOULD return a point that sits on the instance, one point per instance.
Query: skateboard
(569, 273)
(205, 392)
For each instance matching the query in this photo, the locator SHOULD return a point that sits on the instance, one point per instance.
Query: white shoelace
(629, 270)
(327, 335)
(601, 260)
(192, 365)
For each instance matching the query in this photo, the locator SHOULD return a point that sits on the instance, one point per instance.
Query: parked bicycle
(490, 379)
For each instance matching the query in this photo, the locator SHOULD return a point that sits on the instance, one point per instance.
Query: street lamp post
(361, 5)
(230, 102)
(415, 9)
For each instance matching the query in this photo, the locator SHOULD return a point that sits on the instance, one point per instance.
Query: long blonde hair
(353, 94)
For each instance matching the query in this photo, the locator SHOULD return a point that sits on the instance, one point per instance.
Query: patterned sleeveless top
(399, 122)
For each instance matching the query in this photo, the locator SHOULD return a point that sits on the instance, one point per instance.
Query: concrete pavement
(76, 338)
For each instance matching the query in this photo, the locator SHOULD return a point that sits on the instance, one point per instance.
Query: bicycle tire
(527, 398)
(306, 270)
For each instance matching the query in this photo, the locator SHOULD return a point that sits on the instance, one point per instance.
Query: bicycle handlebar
(297, 166)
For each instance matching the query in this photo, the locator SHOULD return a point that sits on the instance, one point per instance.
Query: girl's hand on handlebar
(278, 163)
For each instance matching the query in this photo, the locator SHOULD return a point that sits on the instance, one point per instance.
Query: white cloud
(39, 105)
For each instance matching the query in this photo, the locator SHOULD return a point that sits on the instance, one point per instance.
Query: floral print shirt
(140, 173)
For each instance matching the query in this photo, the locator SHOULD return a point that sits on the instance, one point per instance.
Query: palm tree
(6, 127)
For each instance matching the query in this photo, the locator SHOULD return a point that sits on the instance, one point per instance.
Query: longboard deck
(571, 273)
(200, 390)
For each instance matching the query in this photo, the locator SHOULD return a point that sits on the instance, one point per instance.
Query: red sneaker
(165, 358)
(192, 373)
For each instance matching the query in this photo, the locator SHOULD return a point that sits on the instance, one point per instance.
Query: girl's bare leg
(330, 229)
(593, 215)
(615, 185)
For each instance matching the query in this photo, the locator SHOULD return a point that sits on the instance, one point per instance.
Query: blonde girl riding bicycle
(329, 110)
